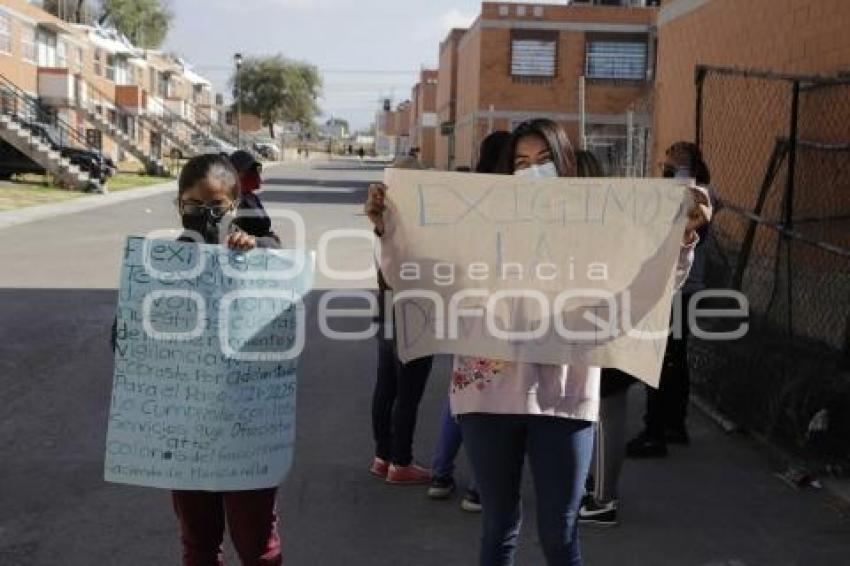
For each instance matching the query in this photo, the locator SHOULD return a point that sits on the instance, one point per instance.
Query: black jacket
(251, 218)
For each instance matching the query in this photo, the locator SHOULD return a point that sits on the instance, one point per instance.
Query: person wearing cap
(251, 215)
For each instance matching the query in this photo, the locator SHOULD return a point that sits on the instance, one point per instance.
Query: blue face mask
(547, 170)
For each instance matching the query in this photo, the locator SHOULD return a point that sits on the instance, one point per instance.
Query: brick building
(392, 133)
(518, 61)
(96, 89)
(446, 100)
(423, 117)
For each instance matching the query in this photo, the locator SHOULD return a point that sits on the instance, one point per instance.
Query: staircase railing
(169, 118)
(216, 130)
(13, 100)
(97, 98)
(172, 117)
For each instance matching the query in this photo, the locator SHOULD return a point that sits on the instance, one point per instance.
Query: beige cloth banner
(555, 271)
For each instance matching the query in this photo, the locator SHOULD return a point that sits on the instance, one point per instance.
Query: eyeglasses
(217, 209)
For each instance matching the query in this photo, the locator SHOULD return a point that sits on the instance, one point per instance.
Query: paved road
(714, 503)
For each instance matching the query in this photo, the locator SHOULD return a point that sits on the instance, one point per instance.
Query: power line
(325, 71)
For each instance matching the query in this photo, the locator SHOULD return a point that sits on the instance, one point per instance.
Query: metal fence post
(699, 79)
(789, 200)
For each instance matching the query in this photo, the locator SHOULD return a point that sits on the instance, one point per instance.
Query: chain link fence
(778, 147)
(624, 150)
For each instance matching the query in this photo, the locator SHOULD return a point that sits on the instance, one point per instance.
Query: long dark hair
(587, 165)
(491, 151)
(555, 137)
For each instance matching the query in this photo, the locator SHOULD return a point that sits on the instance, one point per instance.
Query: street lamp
(237, 59)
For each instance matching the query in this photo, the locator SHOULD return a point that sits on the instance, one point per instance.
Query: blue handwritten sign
(203, 394)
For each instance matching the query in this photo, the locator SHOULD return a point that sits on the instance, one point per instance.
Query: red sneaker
(411, 474)
(379, 467)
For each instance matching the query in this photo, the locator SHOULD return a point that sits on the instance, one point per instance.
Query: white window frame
(61, 53)
(79, 64)
(29, 45)
(98, 62)
(5, 33)
(110, 67)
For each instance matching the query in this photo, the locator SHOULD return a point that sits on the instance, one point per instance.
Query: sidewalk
(41, 212)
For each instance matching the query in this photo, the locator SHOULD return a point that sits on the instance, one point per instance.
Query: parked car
(211, 144)
(93, 162)
(267, 150)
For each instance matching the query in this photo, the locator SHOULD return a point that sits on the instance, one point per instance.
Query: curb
(43, 211)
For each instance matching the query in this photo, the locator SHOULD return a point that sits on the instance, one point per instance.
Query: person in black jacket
(251, 215)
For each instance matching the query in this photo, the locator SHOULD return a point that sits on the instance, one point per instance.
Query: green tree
(144, 22)
(276, 88)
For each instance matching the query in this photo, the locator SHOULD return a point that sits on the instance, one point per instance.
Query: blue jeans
(559, 452)
(448, 446)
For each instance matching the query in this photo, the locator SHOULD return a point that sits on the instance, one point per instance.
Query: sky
(367, 50)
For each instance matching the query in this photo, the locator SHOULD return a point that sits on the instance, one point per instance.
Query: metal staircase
(208, 129)
(92, 102)
(16, 108)
(163, 120)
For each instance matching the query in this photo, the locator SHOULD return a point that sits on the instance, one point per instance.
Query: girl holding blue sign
(209, 190)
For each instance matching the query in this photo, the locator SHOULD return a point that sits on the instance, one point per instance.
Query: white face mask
(538, 171)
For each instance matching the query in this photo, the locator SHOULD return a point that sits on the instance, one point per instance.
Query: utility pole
(238, 60)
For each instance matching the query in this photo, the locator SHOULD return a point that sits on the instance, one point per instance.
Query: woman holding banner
(512, 410)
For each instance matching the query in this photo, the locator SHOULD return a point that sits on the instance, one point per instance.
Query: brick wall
(485, 82)
(794, 36)
(446, 97)
(423, 109)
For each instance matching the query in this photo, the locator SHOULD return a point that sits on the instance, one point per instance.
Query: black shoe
(441, 488)
(645, 446)
(677, 436)
(471, 502)
(601, 514)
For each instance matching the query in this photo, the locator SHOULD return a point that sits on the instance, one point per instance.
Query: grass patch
(30, 190)
(14, 195)
(124, 181)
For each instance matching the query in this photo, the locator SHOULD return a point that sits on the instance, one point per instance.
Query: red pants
(251, 519)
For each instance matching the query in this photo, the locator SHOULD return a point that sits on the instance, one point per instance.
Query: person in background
(599, 506)
(667, 406)
(398, 391)
(510, 410)
(208, 190)
(450, 439)
(251, 214)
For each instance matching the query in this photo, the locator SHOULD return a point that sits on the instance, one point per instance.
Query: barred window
(616, 60)
(5, 33)
(29, 50)
(534, 54)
